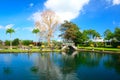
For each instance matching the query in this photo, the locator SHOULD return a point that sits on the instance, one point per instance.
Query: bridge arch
(69, 44)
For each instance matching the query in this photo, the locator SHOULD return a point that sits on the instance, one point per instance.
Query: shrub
(115, 43)
(118, 46)
(27, 42)
(7, 42)
(15, 42)
(100, 44)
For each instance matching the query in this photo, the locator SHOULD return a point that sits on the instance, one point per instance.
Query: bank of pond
(83, 49)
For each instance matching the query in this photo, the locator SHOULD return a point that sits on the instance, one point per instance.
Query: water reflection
(89, 60)
(72, 54)
(60, 66)
(34, 69)
(7, 70)
(113, 62)
(48, 70)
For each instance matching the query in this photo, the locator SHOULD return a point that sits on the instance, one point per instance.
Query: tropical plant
(15, 42)
(108, 34)
(117, 33)
(10, 31)
(7, 42)
(27, 42)
(35, 31)
(70, 31)
(92, 33)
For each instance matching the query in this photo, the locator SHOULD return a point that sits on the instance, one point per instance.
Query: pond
(59, 66)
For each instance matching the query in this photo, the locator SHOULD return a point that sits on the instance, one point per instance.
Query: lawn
(100, 49)
(21, 51)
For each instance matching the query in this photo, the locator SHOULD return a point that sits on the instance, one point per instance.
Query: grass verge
(24, 51)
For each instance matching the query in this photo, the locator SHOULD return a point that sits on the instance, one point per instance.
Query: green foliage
(115, 43)
(108, 34)
(79, 38)
(56, 44)
(35, 31)
(91, 33)
(99, 44)
(84, 36)
(90, 43)
(0, 42)
(7, 42)
(70, 31)
(16, 42)
(10, 30)
(27, 42)
(114, 36)
(117, 33)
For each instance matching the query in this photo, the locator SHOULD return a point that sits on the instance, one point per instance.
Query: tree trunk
(48, 41)
(10, 41)
(36, 40)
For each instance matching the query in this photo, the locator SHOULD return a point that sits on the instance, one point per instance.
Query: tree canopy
(108, 34)
(35, 31)
(70, 31)
(10, 30)
(92, 33)
(117, 33)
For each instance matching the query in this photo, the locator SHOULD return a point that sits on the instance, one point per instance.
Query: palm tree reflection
(113, 62)
(7, 70)
(34, 69)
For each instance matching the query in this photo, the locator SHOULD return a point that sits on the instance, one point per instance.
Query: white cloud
(36, 16)
(116, 2)
(28, 28)
(66, 9)
(112, 3)
(1, 27)
(31, 4)
(9, 26)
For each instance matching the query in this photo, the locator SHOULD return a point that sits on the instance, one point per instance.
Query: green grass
(22, 51)
(58, 50)
(100, 49)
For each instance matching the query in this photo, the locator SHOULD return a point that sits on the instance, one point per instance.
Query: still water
(59, 66)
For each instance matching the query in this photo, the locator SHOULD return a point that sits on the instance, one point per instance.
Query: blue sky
(88, 14)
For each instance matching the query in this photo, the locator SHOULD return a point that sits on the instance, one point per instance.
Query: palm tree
(92, 33)
(35, 31)
(10, 31)
(108, 34)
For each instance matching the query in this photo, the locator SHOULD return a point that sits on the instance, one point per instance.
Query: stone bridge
(68, 45)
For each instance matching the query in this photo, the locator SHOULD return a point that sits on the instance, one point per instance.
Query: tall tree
(92, 33)
(47, 24)
(36, 31)
(70, 31)
(10, 31)
(108, 34)
(117, 33)
(84, 36)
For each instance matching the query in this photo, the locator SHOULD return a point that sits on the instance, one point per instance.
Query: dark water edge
(59, 66)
